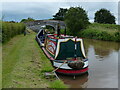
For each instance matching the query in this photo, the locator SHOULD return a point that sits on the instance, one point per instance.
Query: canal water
(103, 66)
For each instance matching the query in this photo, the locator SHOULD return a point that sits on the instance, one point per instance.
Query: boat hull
(72, 71)
(65, 69)
(59, 64)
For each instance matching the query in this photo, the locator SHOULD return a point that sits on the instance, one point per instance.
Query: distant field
(110, 28)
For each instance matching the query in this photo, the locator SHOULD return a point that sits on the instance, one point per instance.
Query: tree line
(101, 16)
(76, 18)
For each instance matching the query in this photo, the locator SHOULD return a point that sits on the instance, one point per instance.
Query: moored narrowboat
(65, 52)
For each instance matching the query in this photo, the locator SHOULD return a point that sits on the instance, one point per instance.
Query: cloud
(24, 10)
(119, 13)
(45, 10)
(59, 0)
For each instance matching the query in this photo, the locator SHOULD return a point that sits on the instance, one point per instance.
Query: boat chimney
(58, 30)
(65, 31)
(75, 55)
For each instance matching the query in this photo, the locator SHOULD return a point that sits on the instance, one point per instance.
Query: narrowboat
(65, 52)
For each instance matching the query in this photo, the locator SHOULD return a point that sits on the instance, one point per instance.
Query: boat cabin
(63, 47)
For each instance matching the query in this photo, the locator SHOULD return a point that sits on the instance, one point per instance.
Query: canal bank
(24, 64)
(106, 32)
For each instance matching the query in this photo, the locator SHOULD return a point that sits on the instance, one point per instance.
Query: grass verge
(24, 64)
(57, 83)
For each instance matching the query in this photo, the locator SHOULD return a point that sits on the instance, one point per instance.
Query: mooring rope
(59, 66)
(57, 69)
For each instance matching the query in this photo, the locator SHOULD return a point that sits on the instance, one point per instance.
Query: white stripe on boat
(65, 66)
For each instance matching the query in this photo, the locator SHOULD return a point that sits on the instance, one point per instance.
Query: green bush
(88, 33)
(117, 36)
(10, 29)
(103, 36)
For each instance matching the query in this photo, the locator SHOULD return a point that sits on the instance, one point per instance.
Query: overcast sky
(45, 10)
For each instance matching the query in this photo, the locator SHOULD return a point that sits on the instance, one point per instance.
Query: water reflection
(102, 48)
(78, 82)
(103, 66)
(103, 63)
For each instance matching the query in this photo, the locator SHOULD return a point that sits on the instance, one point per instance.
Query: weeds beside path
(23, 62)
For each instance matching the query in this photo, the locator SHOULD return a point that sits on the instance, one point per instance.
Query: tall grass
(0, 31)
(107, 32)
(10, 29)
(104, 26)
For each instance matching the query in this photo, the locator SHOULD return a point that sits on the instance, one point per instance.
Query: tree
(60, 14)
(76, 19)
(12, 21)
(27, 20)
(104, 16)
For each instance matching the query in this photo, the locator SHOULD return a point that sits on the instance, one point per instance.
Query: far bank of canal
(103, 66)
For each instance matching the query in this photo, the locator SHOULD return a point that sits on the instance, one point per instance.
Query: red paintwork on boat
(53, 37)
(72, 71)
(48, 55)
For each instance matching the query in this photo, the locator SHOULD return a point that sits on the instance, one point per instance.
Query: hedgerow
(10, 29)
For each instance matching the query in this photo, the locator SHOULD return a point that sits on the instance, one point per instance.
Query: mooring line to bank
(57, 69)
(54, 73)
(59, 66)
